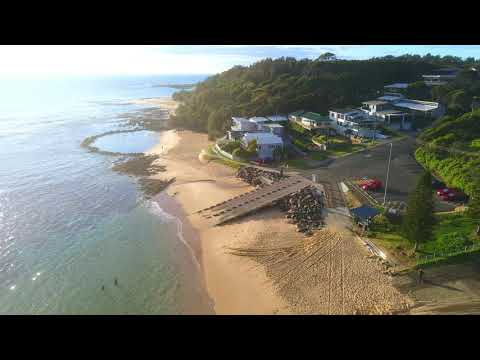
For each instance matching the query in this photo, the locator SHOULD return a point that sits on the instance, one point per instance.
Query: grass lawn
(317, 155)
(452, 233)
(302, 164)
(223, 160)
(388, 236)
(340, 149)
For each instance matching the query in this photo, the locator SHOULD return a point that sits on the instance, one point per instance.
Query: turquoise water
(127, 143)
(70, 225)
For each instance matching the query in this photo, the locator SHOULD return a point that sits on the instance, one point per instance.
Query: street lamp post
(388, 171)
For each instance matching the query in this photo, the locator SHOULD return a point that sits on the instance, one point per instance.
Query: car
(372, 184)
(449, 194)
(443, 191)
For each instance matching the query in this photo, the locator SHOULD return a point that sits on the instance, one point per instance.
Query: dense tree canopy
(284, 85)
(450, 149)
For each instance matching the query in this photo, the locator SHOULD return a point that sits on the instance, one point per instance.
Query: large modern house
(441, 76)
(266, 144)
(265, 130)
(353, 122)
(395, 110)
(241, 126)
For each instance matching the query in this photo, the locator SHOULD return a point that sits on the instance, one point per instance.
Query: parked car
(449, 194)
(372, 184)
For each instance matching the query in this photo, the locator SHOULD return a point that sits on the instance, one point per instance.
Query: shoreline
(347, 281)
(242, 284)
(236, 285)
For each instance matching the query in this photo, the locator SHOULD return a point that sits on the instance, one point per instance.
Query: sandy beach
(236, 285)
(341, 278)
(348, 282)
(163, 102)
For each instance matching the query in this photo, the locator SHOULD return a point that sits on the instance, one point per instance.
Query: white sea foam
(155, 208)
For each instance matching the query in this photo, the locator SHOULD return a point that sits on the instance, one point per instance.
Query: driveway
(372, 163)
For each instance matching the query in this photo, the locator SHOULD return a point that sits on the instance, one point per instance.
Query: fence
(224, 153)
(439, 255)
(361, 192)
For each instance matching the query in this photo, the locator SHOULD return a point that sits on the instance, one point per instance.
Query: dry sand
(344, 282)
(163, 102)
(167, 140)
(236, 285)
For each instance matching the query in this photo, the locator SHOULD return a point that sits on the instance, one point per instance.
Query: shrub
(229, 146)
(241, 153)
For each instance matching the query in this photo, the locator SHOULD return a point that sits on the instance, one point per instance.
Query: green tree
(418, 221)
(474, 203)
(458, 102)
(252, 147)
(418, 90)
(218, 123)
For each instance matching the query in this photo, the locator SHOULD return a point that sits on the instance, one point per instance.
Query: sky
(22, 60)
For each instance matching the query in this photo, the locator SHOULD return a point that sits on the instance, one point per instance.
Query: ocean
(69, 225)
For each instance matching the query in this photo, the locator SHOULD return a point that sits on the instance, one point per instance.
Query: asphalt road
(404, 170)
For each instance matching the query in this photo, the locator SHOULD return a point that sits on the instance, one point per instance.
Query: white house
(276, 129)
(353, 122)
(243, 124)
(394, 101)
(372, 106)
(266, 143)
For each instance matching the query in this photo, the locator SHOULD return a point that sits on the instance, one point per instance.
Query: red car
(448, 194)
(372, 184)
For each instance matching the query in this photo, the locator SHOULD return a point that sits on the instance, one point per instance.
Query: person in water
(103, 287)
(116, 282)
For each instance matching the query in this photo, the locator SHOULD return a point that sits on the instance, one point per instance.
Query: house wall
(266, 151)
(244, 126)
(276, 130)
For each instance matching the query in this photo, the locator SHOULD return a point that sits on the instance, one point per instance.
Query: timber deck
(253, 200)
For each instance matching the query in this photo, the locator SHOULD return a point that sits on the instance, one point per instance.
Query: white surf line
(179, 224)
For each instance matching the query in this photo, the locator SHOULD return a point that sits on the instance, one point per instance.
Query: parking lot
(403, 176)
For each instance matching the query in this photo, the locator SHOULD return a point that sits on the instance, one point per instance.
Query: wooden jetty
(253, 200)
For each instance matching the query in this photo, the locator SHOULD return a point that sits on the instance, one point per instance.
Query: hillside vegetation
(451, 150)
(285, 85)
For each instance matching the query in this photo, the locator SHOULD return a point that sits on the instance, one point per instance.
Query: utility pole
(388, 170)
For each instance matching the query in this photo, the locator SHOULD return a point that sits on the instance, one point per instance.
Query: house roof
(263, 138)
(258, 119)
(277, 117)
(316, 117)
(297, 113)
(364, 212)
(389, 98)
(417, 105)
(397, 86)
(240, 119)
(390, 112)
(344, 111)
(274, 125)
(374, 102)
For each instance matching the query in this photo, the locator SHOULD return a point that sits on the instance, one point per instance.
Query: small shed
(364, 214)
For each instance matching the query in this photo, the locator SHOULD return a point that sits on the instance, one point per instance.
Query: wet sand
(237, 285)
(345, 280)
